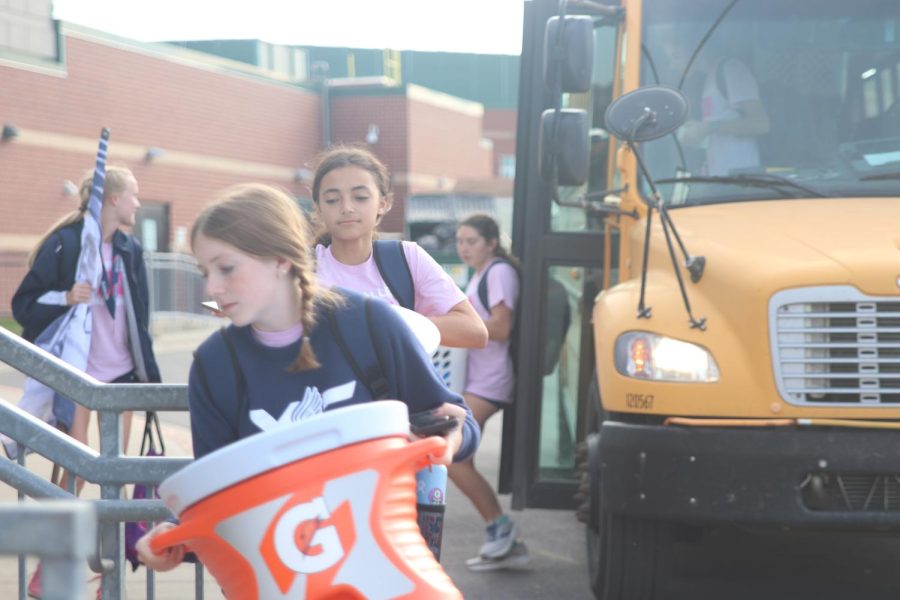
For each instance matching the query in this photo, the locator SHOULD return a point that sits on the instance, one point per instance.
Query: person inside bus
(732, 116)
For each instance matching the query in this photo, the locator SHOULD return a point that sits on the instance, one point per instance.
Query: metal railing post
(61, 533)
(112, 538)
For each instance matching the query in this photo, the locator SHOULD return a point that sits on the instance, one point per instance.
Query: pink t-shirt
(489, 370)
(109, 356)
(278, 339)
(436, 292)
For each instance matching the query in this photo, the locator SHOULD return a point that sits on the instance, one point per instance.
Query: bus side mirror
(569, 53)
(646, 114)
(564, 147)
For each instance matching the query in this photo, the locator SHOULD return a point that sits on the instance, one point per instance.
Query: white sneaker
(499, 539)
(517, 558)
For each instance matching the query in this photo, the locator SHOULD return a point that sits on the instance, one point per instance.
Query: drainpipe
(320, 68)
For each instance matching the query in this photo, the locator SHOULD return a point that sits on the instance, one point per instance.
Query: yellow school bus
(731, 268)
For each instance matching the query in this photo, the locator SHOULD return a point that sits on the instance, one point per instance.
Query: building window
(28, 30)
(508, 166)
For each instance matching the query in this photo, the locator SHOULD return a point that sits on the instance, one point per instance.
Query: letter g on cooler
(326, 538)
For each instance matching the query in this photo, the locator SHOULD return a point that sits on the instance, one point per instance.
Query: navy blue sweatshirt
(271, 393)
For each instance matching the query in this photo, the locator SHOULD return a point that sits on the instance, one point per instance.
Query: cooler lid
(283, 445)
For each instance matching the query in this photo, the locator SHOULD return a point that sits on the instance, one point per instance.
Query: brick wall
(500, 128)
(216, 127)
(217, 123)
(196, 114)
(446, 143)
(351, 117)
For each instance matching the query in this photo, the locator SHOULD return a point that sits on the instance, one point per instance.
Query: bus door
(561, 246)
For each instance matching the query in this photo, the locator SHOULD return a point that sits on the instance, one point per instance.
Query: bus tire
(629, 558)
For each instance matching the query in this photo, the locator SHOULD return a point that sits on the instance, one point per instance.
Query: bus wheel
(582, 470)
(629, 558)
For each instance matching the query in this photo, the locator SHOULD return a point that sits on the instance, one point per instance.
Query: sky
(477, 26)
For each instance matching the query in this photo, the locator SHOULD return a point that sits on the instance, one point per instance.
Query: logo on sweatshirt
(312, 403)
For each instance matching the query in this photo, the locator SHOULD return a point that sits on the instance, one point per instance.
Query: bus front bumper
(829, 478)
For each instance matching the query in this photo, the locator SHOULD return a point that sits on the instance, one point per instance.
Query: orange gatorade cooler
(320, 509)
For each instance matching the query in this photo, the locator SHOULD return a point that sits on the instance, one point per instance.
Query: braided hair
(266, 222)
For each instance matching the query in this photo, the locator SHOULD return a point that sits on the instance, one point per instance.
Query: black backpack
(483, 298)
(559, 317)
(393, 268)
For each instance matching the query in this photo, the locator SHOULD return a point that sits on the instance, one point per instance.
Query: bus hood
(794, 243)
(753, 251)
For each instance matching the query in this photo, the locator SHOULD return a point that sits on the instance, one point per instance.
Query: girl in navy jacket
(253, 250)
(120, 347)
(49, 289)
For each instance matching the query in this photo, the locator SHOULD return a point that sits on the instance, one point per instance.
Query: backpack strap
(393, 268)
(353, 335)
(483, 284)
(218, 387)
(240, 384)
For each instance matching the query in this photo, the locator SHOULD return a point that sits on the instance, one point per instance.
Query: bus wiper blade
(876, 176)
(750, 180)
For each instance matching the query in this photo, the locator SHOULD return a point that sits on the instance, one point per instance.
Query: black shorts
(129, 377)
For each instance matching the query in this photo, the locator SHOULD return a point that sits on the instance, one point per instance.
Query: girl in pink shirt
(351, 192)
(489, 379)
(120, 349)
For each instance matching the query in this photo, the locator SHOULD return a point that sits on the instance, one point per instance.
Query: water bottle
(431, 498)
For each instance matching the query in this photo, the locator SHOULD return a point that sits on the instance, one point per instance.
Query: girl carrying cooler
(252, 247)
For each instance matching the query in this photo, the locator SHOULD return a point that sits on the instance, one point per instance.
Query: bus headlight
(647, 356)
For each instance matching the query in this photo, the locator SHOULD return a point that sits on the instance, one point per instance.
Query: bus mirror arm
(592, 202)
(694, 264)
(612, 13)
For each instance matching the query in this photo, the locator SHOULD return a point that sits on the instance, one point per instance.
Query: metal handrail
(61, 533)
(83, 389)
(108, 468)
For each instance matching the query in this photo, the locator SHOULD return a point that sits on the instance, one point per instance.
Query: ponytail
(487, 228)
(116, 181)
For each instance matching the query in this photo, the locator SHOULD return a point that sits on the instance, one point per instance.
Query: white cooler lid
(283, 445)
(425, 331)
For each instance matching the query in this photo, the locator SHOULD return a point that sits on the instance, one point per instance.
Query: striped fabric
(69, 336)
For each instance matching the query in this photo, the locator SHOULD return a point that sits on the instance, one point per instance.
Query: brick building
(189, 124)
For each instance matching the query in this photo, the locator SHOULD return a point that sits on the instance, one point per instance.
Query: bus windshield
(788, 98)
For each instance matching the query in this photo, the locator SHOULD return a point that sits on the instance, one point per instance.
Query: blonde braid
(306, 360)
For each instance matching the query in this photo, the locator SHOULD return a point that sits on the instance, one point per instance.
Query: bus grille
(835, 346)
(852, 492)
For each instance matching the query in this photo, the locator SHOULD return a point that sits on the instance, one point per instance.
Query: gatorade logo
(307, 547)
(325, 539)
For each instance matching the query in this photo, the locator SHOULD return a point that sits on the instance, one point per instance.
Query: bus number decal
(639, 401)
